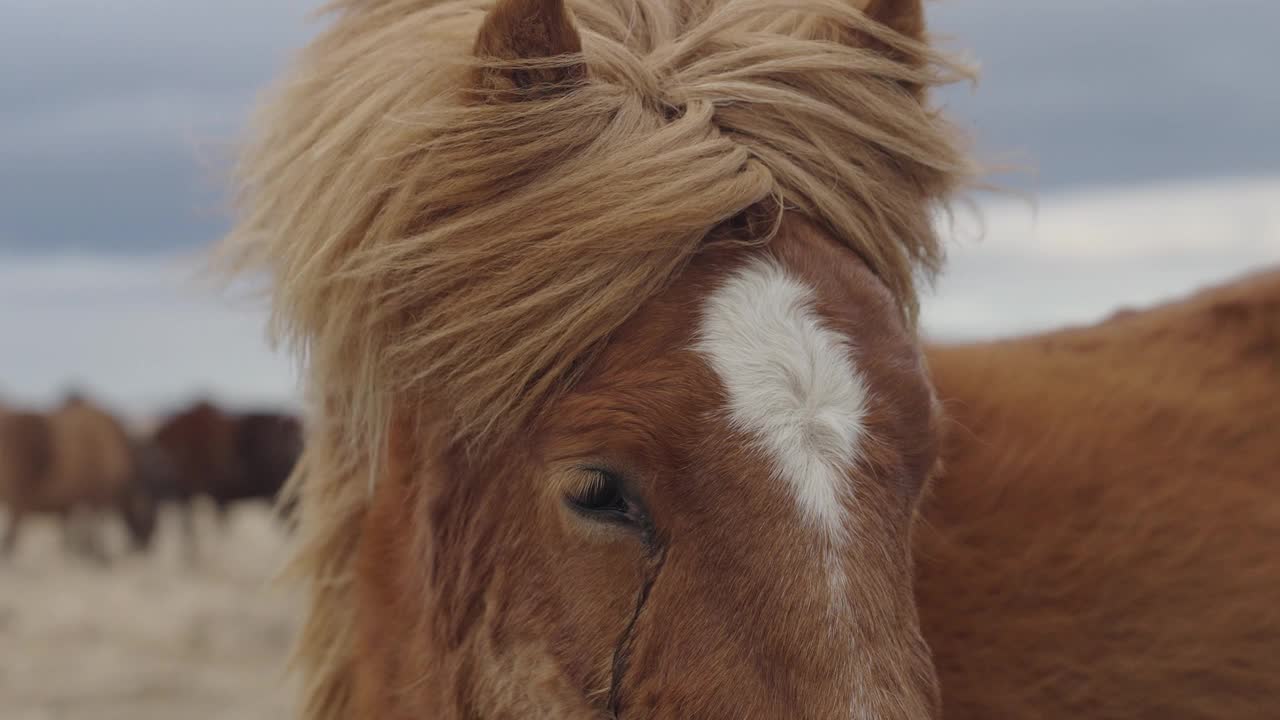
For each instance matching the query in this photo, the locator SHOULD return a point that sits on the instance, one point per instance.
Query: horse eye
(601, 497)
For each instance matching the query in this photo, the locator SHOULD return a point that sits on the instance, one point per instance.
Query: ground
(149, 637)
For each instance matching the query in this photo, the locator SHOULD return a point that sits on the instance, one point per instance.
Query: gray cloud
(107, 110)
(1100, 91)
(70, 51)
(114, 117)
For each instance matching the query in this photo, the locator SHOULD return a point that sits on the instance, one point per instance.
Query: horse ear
(906, 17)
(529, 30)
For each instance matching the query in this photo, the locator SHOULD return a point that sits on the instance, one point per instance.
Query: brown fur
(200, 443)
(1103, 543)
(26, 460)
(77, 458)
(205, 451)
(478, 597)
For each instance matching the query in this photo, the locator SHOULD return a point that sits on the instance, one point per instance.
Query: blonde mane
(441, 249)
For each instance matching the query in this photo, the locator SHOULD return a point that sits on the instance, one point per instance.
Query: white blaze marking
(791, 386)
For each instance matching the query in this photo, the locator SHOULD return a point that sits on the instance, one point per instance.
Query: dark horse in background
(77, 463)
(226, 457)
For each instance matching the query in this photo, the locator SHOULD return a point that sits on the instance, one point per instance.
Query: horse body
(200, 445)
(205, 451)
(225, 456)
(1101, 543)
(268, 445)
(94, 463)
(26, 457)
(78, 458)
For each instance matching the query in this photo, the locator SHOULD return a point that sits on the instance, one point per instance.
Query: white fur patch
(791, 385)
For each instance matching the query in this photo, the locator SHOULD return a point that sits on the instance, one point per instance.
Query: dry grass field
(148, 637)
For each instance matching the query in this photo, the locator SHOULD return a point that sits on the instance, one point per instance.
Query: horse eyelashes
(602, 496)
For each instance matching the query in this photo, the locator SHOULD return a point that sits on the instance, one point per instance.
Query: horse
(618, 405)
(1101, 541)
(205, 451)
(268, 444)
(26, 456)
(77, 462)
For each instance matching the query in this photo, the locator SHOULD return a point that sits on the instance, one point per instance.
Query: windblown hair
(443, 245)
(434, 245)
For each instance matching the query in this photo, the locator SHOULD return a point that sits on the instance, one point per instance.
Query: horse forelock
(466, 254)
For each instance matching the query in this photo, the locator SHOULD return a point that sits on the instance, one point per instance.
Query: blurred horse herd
(82, 464)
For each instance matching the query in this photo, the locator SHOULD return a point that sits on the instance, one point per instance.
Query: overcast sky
(115, 116)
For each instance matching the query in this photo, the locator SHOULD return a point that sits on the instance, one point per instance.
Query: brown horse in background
(77, 462)
(205, 451)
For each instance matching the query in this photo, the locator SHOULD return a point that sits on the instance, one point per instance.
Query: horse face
(714, 523)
